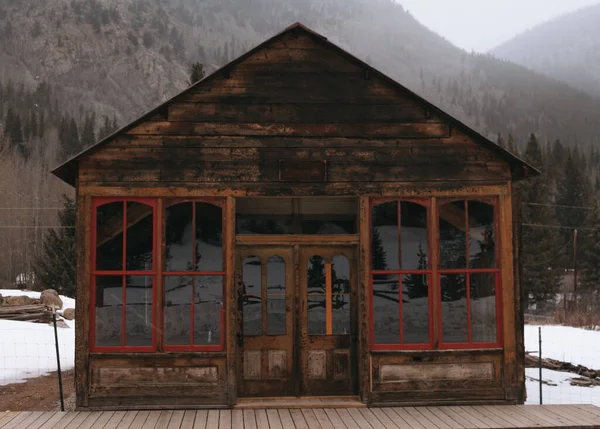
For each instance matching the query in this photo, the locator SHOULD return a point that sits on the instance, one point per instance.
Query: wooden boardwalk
(530, 416)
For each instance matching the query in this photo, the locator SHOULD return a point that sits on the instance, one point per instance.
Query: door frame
(294, 242)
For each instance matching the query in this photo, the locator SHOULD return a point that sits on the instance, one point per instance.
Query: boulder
(69, 314)
(50, 297)
(18, 300)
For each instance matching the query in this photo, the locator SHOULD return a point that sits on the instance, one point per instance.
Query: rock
(60, 324)
(50, 297)
(69, 314)
(18, 300)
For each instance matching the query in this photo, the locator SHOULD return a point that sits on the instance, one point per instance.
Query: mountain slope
(129, 55)
(566, 48)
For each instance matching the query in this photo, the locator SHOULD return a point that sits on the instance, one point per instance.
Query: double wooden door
(297, 321)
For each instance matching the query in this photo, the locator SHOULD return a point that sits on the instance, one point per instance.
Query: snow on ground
(562, 393)
(566, 344)
(28, 349)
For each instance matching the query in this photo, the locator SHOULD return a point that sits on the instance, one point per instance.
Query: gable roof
(519, 168)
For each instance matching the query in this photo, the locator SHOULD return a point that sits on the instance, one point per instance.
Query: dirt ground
(38, 394)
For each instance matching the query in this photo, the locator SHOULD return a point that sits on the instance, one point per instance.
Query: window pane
(253, 225)
(179, 238)
(316, 275)
(415, 308)
(109, 236)
(140, 230)
(340, 274)
(209, 237)
(483, 307)
(317, 324)
(276, 315)
(276, 321)
(481, 235)
(207, 310)
(109, 307)
(252, 302)
(329, 226)
(386, 309)
(413, 236)
(138, 311)
(177, 313)
(340, 314)
(452, 236)
(454, 308)
(384, 240)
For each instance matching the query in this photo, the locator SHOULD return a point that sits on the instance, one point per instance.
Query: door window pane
(454, 308)
(276, 311)
(483, 307)
(140, 232)
(109, 237)
(207, 310)
(252, 298)
(109, 307)
(340, 314)
(316, 275)
(414, 238)
(386, 309)
(453, 235)
(384, 237)
(482, 252)
(340, 275)
(316, 305)
(179, 237)
(415, 308)
(209, 237)
(138, 311)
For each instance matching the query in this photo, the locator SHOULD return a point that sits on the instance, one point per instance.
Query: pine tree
(88, 135)
(55, 266)
(196, 73)
(590, 278)
(539, 255)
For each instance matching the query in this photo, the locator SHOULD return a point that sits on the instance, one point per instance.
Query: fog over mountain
(566, 48)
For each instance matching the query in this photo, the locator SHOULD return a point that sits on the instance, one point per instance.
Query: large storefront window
(401, 275)
(125, 272)
(467, 274)
(124, 275)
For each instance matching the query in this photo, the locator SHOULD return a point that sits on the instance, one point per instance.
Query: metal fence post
(60, 386)
(540, 361)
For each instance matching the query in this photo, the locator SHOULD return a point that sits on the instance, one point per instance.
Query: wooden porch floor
(530, 416)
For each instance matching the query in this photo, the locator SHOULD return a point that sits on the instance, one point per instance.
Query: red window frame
(401, 273)
(470, 344)
(191, 347)
(123, 273)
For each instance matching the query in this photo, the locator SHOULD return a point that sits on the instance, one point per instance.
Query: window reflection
(109, 307)
(138, 311)
(415, 309)
(140, 233)
(208, 299)
(386, 309)
(481, 235)
(177, 310)
(179, 237)
(483, 307)
(109, 237)
(414, 239)
(452, 224)
(454, 308)
(276, 311)
(384, 236)
(209, 237)
(252, 298)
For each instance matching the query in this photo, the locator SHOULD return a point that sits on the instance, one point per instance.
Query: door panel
(265, 286)
(327, 321)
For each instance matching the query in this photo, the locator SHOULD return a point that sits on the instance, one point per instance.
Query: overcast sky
(483, 24)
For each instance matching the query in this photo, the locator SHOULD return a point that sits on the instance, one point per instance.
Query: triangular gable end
(231, 80)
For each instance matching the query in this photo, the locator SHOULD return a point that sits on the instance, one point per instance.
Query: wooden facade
(349, 238)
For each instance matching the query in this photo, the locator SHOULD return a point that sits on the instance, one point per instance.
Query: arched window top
(194, 237)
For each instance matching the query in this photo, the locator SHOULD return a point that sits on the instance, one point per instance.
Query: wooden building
(296, 224)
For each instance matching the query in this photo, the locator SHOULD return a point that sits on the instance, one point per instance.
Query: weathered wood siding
(294, 100)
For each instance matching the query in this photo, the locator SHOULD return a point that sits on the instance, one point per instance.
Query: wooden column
(364, 299)
(82, 309)
(231, 302)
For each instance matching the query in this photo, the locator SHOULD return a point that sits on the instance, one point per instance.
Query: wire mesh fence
(570, 365)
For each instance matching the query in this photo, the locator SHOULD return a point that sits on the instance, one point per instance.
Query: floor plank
(311, 419)
(53, 421)
(335, 418)
(176, 419)
(225, 419)
(359, 418)
(114, 421)
(7, 416)
(89, 421)
(32, 417)
(201, 417)
(249, 419)
(212, 422)
(408, 418)
(140, 419)
(163, 420)
(274, 419)
(322, 419)
(286, 419)
(37, 423)
(472, 420)
(423, 418)
(188, 420)
(371, 418)
(386, 421)
(298, 419)
(495, 421)
(127, 420)
(446, 418)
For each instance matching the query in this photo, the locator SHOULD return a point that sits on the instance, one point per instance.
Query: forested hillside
(566, 48)
(72, 69)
